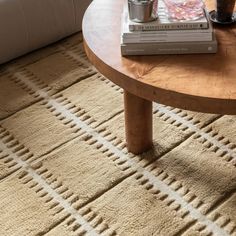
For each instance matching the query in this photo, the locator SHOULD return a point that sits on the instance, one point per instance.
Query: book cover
(163, 36)
(164, 23)
(168, 38)
(169, 48)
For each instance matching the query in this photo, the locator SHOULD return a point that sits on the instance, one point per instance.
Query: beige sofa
(30, 24)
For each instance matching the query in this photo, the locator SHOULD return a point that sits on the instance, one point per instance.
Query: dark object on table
(224, 10)
(213, 18)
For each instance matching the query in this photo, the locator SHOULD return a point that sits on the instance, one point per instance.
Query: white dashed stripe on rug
(46, 187)
(209, 137)
(58, 108)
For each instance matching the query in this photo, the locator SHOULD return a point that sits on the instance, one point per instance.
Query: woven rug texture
(65, 169)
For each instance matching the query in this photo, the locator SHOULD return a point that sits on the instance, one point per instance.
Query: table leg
(138, 123)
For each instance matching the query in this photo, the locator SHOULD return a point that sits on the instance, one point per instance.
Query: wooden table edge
(169, 98)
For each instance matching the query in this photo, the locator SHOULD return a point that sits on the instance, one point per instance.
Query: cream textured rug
(65, 170)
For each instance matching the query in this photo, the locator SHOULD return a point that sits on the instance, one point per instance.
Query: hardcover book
(163, 35)
(169, 48)
(164, 23)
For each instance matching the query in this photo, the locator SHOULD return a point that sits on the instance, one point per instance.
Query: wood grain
(138, 123)
(205, 83)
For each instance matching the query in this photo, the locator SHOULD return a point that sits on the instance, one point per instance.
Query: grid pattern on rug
(65, 168)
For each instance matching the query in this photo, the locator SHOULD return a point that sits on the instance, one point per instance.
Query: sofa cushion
(30, 24)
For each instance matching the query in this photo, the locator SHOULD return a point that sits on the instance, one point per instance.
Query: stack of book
(164, 36)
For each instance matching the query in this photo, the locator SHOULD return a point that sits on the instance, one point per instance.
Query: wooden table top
(199, 82)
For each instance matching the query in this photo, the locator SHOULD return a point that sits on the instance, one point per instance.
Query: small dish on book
(212, 16)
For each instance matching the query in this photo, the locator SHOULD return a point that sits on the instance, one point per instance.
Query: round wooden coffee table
(203, 82)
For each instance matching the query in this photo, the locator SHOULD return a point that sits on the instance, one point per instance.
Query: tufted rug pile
(65, 169)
